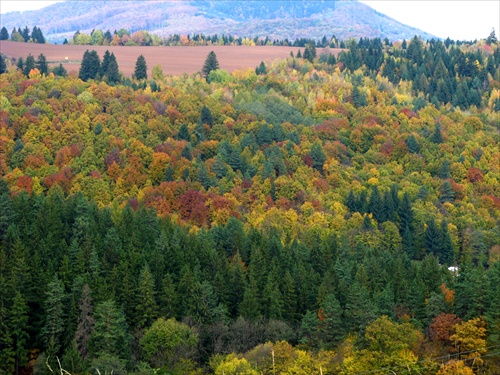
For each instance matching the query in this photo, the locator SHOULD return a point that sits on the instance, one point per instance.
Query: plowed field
(174, 60)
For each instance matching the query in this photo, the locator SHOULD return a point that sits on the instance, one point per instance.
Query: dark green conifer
(141, 69)
(29, 65)
(41, 64)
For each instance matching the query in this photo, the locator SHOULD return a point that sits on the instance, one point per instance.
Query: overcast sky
(469, 19)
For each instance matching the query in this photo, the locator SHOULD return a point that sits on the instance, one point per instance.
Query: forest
(310, 216)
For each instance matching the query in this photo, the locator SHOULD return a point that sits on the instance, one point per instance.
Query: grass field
(174, 60)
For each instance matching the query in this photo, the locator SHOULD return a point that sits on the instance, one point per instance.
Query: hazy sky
(465, 19)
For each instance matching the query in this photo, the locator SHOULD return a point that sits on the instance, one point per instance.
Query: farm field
(174, 60)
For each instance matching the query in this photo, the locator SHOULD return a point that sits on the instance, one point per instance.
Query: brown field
(174, 60)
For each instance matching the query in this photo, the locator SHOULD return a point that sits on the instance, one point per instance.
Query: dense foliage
(293, 221)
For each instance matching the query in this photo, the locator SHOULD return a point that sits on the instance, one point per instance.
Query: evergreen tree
(60, 71)
(412, 144)
(183, 134)
(4, 34)
(447, 253)
(18, 322)
(3, 65)
(110, 331)
(437, 136)
(432, 238)
(261, 69)
(447, 192)
(199, 131)
(53, 328)
(211, 63)
(90, 65)
(105, 62)
(29, 65)
(146, 307)
(25, 33)
(20, 63)
(318, 157)
(41, 64)
(141, 68)
(206, 116)
(310, 52)
(332, 327)
(112, 74)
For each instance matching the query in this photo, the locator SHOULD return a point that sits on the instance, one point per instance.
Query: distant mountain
(276, 19)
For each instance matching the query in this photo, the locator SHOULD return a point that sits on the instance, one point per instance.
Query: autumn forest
(314, 215)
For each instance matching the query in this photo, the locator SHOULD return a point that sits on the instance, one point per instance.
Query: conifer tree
(332, 327)
(53, 327)
(146, 308)
(41, 64)
(86, 322)
(110, 330)
(18, 322)
(318, 157)
(4, 34)
(29, 65)
(90, 65)
(206, 116)
(141, 68)
(3, 65)
(211, 63)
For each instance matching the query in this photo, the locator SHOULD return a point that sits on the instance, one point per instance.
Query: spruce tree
(86, 322)
(141, 68)
(4, 34)
(206, 116)
(18, 322)
(41, 64)
(211, 63)
(318, 157)
(29, 65)
(90, 65)
(446, 253)
(332, 327)
(112, 74)
(146, 307)
(53, 328)
(3, 65)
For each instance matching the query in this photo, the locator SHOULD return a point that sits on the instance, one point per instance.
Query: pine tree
(318, 157)
(331, 326)
(447, 192)
(105, 62)
(3, 65)
(90, 65)
(18, 322)
(141, 68)
(112, 74)
(4, 34)
(432, 238)
(29, 65)
(41, 64)
(60, 71)
(211, 63)
(412, 144)
(146, 307)
(437, 136)
(110, 331)
(183, 134)
(206, 116)
(261, 69)
(446, 252)
(53, 328)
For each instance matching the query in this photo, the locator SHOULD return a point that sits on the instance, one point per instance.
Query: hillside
(299, 219)
(276, 19)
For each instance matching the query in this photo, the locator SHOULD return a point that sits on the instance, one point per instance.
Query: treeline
(24, 35)
(108, 288)
(441, 72)
(124, 37)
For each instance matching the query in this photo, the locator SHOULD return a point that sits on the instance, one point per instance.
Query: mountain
(276, 19)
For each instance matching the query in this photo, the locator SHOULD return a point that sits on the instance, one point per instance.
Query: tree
(29, 65)
(211, 63)
(112, 74)
(90, 65)
(3, 65)
(261, 69)
(146, 308)
(4, 34)
(168, 341)
(86, 322)
(437, 136)
(41, 64)
(318, 157)
(53, 328)
(141, 69)
(206, 116)
(331, 325)
(18, 322)
(110, 334)
(310, 52)
(60, 71)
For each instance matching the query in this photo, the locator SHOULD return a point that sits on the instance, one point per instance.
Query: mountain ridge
(276, 19)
